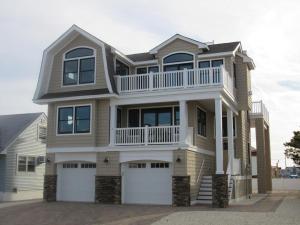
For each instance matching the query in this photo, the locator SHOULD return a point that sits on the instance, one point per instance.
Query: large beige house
(169, 126)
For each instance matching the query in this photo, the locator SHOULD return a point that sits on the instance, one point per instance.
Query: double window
(74, 119)
(149, 69)
(165, 116)
(26, 163)
(201, 121)
(210, 63)
(79, 67)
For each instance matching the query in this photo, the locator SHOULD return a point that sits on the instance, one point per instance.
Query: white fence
(175, 79)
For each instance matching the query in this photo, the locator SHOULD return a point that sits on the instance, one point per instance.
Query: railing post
(146, 134)
(118, 78)
(211, 75)
(185, 78)
(151, 81)
(221, 73)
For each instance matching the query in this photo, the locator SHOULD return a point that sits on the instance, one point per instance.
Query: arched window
(178, 61)
(79, 67)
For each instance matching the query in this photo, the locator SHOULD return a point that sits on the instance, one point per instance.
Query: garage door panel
(76, 184)
(147, 185)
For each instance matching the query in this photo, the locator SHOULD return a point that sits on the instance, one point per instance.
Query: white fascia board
(49, 54)
(178, 36)
(46, 101)
(220, 54)
(154, 61)
(132, 149)
(248, 60)
(168, 96)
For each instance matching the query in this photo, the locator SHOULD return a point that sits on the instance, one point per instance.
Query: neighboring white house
(22, 156)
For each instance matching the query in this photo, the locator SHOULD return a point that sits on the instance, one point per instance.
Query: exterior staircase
(205, 192)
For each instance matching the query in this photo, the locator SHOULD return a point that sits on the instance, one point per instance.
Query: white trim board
(181, 37)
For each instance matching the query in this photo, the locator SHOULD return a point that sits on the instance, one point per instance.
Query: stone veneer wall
(181, 190)
(108, 189)
(50, 182)
(220, 191)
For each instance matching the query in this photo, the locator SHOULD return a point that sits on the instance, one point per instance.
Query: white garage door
(147, 183)
(76, 182)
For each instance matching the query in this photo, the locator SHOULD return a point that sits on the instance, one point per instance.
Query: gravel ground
(287, 213)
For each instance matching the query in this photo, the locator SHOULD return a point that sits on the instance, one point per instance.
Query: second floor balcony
(178, 79)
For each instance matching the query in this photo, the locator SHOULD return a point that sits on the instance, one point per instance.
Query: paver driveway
(61, 213)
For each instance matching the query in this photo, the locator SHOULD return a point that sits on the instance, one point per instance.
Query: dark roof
(223, 47)
(75, 93)
(214, 48)
(141, 56)
(11, 126)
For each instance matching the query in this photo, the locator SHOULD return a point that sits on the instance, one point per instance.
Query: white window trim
(151, 107)
(234, 120)
(78, 66)
(122, 61)
(201, 108)
(39, 125)
(147, 67)
(26, 165)
(73, 106)
(210, 61)
(176, 63)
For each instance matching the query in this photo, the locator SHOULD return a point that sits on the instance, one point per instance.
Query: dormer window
(178, 61)
(79, 67)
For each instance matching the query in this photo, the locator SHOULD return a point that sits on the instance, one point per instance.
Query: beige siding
(50, 165)
(243, 137)
(102, 122)
(176, 46)
(55, 84)
(112, 167)
(26, 144)
(207, 143)
(180, 168)
(243, 84)
(99, 126)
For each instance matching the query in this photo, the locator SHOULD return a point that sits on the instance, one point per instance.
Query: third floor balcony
(197, 78)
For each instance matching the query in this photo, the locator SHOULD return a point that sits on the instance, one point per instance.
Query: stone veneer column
(50, 182)
(108, 189)
(220, 191)
(108, 180)
(181, 190)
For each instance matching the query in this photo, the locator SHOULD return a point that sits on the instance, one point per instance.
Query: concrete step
(206, 182)
(204, 202)
(205, 185)
(204, 197)
(206, 177)
(205, 193)
(206, 189)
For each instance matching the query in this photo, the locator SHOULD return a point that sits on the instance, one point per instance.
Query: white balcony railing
(147, 135)
(192, 78)
(259, 109)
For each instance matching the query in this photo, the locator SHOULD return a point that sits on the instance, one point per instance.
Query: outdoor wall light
(178, 159)
(105, 160)
(48, 160)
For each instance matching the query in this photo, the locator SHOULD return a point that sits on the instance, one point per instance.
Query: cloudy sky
(269, 30)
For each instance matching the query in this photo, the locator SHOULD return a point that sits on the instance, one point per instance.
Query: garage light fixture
(178, 159)
(106, 160)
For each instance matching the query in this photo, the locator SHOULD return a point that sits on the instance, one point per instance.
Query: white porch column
(113, 124)
(230, 137)
(183, 121)
(219, 136)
